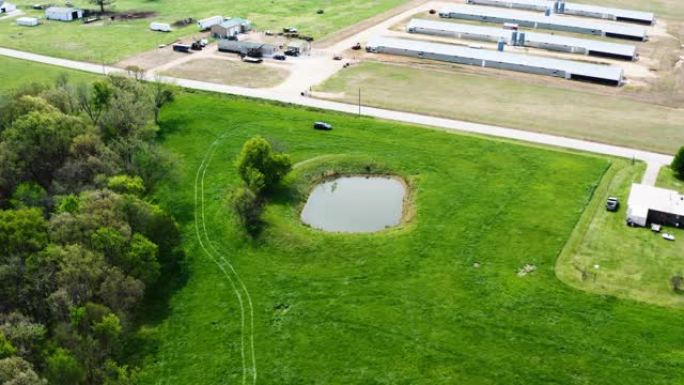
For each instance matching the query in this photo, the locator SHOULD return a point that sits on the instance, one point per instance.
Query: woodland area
(82, 245)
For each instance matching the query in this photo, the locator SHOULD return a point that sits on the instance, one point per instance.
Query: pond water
(355, 205)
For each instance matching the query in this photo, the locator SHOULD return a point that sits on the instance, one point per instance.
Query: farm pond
(356, 204)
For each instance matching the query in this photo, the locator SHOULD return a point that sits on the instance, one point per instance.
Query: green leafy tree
(161, 95)
(6, 348)
(40, 144)
(102, 4)
(124, 184)
(95, 99)
(678, 164)
(17, 371)
(64, 369)
(29, 194)
(141, 260)
(259, 166)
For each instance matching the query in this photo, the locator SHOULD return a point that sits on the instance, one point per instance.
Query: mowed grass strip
(17, 73)
(111, 42)
(514, 103)
(407, 306)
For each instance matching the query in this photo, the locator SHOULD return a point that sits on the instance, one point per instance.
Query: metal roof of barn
(572, 67)
(62, 9)
(542, 5)
(593, 45)
(559, 20)
(657, 199)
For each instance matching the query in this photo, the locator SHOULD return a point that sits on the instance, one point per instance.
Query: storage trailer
(206, 24)
(553, 22)
(524, 39)
(603, 74)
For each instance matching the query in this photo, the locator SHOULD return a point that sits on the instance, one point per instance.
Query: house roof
(234, 22)
(656, 199)
(62, 9)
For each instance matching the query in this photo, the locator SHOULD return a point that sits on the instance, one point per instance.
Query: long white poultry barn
(576, 9)
(524, 39)
(552, 22)
(567, 69)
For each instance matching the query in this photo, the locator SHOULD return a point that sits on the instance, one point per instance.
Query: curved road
(654, 161)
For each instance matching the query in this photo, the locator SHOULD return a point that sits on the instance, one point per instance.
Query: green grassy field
(460, 94)
(16, 73)
(111, 42)
(407, 306)
(605, 256)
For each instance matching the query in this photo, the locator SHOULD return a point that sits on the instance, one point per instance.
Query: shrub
(677, 283)
(124, 184)
(678, 164)
(260, 167)
(248, 208)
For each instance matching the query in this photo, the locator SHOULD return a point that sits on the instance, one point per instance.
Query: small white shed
(28, 21)
(63, 13)
(160, 27)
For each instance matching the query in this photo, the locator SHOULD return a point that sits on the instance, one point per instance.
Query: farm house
(567, 69)
(652, 205)
(575, 9)
(63, 13)
(553, 22)
(524, 39)
(231, 27)
(247, 48)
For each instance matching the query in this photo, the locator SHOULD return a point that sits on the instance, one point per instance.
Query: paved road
(655, 161)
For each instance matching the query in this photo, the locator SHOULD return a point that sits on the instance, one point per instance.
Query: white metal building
(7, 7)
(553, 22)
(567, 69)
(648, 204)
(576, 9)
(63, 13)
(524, 39)
(205, 24)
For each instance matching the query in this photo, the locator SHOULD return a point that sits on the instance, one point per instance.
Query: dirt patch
(152, 59)
(230, 72)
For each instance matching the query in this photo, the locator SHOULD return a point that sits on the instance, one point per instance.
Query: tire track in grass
(239, 288)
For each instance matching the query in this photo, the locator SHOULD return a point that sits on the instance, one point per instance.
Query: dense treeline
(81, 246)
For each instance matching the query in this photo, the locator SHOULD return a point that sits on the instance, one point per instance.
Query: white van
(160, 27)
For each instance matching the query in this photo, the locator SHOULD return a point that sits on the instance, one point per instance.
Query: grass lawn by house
(462, 94)
(110, 42)
(438, 301)
(607, 257)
